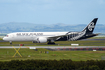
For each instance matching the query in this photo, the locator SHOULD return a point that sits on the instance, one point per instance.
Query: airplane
(51, 37)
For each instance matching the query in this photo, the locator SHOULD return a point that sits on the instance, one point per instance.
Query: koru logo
(91, 25)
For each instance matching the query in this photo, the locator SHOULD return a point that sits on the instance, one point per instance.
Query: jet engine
(41, 40)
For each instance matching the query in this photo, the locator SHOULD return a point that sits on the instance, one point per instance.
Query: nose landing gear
(10, 42)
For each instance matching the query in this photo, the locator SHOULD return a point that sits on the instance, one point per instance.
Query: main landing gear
(51, 42)
(33, 42)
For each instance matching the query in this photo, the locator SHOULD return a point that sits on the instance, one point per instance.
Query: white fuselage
(31, 36)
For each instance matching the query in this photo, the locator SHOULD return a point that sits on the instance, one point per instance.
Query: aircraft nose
(4, 38)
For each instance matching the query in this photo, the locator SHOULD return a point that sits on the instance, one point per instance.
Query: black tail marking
(90, 27)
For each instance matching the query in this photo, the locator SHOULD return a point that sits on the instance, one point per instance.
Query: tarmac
(63, 48)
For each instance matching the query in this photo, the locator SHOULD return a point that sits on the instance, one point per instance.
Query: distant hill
(29, 27)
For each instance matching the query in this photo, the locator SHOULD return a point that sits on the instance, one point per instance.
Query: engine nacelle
(41, 40)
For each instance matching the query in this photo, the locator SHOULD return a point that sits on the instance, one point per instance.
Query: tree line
(52, 65)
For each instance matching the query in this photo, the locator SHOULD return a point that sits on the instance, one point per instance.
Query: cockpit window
(6, 35)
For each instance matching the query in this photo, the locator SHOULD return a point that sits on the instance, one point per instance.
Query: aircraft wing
(55, 37)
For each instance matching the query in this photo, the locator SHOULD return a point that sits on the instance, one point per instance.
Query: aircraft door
(11, 36)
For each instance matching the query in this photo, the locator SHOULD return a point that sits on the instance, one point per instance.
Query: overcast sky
(52, 11)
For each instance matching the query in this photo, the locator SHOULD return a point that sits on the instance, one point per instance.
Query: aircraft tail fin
(90, 27)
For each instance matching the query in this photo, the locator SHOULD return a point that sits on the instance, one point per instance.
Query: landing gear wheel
(33, 42)
(50, 43)
(10, 43)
